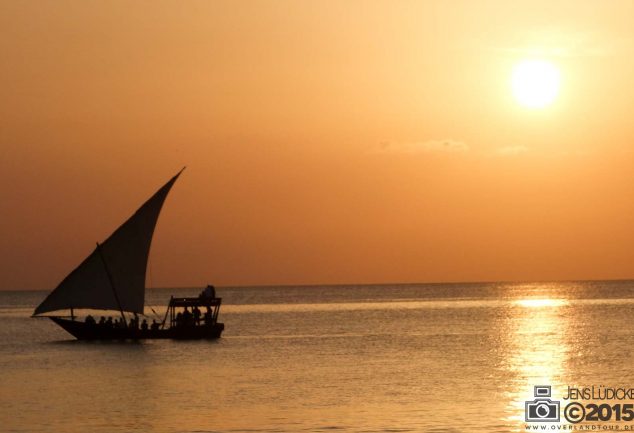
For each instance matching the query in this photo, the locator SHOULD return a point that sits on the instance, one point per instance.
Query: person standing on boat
(208, 316)
(208, 292)
(187, 317)
(196, 313)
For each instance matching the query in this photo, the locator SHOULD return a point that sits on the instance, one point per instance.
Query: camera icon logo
(542, 409)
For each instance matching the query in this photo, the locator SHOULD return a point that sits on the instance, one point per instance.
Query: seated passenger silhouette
(144, 325)
(155, 326)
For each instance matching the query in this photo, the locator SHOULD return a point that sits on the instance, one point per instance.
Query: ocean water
(393, 358)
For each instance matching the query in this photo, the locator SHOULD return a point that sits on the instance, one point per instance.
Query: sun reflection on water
(539, 351)
(538, 303)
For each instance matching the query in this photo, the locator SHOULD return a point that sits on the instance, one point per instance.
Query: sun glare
(535, 83)
(539, 303)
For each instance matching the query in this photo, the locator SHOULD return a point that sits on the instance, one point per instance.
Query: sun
(535, 83)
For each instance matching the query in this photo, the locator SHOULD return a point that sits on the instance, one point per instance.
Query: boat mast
(114, 290)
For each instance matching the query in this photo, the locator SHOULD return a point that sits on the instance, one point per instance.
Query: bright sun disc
(535, 83)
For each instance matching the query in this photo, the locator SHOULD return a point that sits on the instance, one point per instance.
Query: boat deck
(183, 321)
(87, 331)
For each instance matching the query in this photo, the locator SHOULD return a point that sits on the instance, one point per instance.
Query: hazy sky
(326, 142)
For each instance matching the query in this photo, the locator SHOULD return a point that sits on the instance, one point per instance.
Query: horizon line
(436, 283)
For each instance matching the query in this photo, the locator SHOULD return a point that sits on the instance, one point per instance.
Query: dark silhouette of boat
(112, 278)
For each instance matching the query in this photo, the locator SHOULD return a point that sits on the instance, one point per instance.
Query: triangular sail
(113, 276)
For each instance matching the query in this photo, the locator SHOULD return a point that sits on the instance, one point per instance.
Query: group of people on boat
(190, 317)
(119, 323)
(194, 317)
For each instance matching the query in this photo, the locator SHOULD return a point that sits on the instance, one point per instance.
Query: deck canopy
(113, 276)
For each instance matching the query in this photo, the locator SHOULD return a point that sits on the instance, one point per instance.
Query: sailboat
(112, 278)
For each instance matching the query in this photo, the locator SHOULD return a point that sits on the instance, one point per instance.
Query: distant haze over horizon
(353, 285)
(325, 142)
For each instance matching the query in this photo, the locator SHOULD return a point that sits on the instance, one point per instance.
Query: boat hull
(86, 331)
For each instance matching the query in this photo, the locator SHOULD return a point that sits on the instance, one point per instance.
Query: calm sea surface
(424, 358)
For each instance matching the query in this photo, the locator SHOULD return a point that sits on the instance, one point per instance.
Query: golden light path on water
(538, 334)
(438, 358)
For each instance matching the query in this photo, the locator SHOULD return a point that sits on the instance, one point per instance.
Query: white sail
(113, 276)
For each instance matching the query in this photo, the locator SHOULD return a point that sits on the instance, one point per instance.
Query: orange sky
(326, 142)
